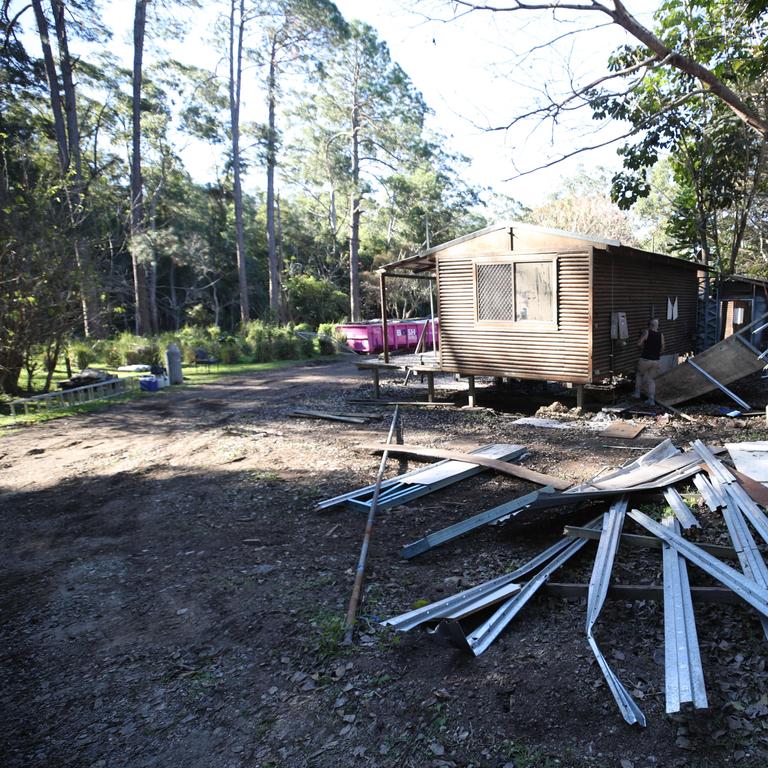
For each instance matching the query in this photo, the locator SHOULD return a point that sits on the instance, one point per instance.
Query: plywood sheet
(626, 430)
(728, 361)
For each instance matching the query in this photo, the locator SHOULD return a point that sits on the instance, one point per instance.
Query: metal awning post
(383, 294)
(432, 319)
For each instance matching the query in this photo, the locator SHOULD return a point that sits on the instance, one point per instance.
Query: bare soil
(171, 597)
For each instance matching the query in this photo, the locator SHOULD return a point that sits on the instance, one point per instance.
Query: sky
(475, 72)
(478, 72)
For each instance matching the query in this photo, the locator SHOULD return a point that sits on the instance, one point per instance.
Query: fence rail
(64, 398)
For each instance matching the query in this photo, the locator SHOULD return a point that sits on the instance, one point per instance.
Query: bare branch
(621, 17)
(633, 132)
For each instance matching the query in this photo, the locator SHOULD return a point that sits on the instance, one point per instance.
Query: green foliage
(269, 342)
(718, 163)
(127, 349)
(314, 300)
(81, 354)
(326, 333)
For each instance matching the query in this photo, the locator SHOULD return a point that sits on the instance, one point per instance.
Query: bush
(191, 338)
(285, 344)
(326, 334)
(229, 349)
(258, 337)
(81, 354)
(314, 300)
(127, 349)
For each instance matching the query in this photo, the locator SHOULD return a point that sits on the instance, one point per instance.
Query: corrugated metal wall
(471, 348)
(639, 284)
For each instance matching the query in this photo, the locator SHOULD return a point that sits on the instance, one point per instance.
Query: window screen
(495, 299)
(534, 291)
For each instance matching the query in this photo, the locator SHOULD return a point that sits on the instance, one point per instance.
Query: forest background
(106, 235)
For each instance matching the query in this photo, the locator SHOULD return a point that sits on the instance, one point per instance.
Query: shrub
(229, 349)
(326, 334)
(81, 354)
(127, 349)
(258, 337)
(314, 300)
(285, 344)
(191, 338)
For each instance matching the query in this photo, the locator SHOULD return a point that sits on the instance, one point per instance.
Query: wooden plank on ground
(727, 361)
(515, 470)
(641, 592)
(306, 414)
(650, 542)
(625, 430)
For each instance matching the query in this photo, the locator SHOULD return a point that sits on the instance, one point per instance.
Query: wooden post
(471, 395)
(579, 395)
(430, 387)
(375, 372)
(383, 294)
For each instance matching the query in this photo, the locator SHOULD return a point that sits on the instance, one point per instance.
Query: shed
(521, 301)
(742, 300)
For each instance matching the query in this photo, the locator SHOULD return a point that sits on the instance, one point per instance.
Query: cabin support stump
(579, 395)
(471, 392)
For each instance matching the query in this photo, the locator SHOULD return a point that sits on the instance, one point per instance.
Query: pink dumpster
(402, 335)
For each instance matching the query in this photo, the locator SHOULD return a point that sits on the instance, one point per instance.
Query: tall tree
(238, 20)
(293, 30)
(369, 120)
(143, 315)
(67, 132)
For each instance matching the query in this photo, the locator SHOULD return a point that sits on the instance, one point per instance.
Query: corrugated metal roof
(425, 260)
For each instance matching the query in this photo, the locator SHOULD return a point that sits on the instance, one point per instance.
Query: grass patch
(192, 377)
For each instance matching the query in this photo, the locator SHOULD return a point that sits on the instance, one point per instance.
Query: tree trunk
(53, 87)
(237, 9)
(67, 132)
(354, 216)
(143, 320)
(275, 303)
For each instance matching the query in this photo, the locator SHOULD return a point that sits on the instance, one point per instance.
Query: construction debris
(657, 471)
(349, 418)
(500, 466)
(419, 482)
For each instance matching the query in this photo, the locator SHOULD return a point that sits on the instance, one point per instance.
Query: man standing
(651, 343)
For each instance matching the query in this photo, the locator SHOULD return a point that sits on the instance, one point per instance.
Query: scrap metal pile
(474, 618)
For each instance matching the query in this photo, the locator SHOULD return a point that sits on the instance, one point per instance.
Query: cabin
(526, 302)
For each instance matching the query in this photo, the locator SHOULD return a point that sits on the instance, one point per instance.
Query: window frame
(514, 324)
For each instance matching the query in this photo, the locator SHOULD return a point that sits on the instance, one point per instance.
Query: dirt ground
(171, 597)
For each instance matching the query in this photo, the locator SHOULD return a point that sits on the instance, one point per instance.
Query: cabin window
(521, 292)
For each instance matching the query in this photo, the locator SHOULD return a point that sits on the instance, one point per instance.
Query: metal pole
(360, 573)
(383, 296)
(432, 319)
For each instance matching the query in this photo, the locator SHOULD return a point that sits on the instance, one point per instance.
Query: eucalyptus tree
(59, 67)
(293, 33)
(39, 299)
(368, 121)
(162, 21)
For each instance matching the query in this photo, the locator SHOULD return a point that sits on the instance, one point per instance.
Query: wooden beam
(568, 591)
(515, 470)
(651, 542)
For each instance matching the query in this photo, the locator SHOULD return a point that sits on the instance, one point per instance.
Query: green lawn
(192, 377)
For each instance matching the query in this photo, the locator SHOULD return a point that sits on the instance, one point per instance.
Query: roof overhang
(423, 263)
